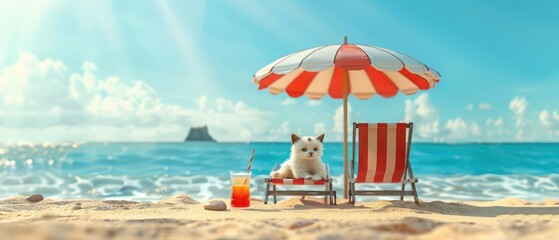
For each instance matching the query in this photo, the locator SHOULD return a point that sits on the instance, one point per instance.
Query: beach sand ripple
(182, 217)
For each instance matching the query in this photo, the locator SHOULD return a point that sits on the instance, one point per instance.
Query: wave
(430, 188)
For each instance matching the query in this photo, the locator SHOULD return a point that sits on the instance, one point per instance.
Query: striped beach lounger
(383, 157)
(328, 193)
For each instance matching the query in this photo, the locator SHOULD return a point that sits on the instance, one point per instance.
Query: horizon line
(259, 142)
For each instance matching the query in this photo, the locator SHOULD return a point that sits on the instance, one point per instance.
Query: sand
(181, 217)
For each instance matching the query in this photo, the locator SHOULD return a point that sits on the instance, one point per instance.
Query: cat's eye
(304, 149)
(316, 149)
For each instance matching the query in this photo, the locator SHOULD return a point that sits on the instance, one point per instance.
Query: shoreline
(181, 216)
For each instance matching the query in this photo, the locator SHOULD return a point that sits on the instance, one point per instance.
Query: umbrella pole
(346, 88)
(346, 83)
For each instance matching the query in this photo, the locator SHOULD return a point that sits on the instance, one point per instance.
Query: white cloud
(520, 135)
(476, 130)
(231, 121)
(282, 133)
(458, 129)
(484, 106)
(428, 123)
(202, 102)
(288, 101)
(494, 123)
(420, 107)
(41, 101)
(314, 103)
(495, 128)
(481, 106)
(26, 78)
(319, 128)
(545, 118)
(424, 108)
(499, 122)
(339, 118)
(429, 130)
(424, 115)
(518, 106)
(549, 119)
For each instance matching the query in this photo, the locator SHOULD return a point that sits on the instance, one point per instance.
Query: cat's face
(307, 147)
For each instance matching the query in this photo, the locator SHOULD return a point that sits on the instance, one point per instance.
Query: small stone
(300, 223)
(410, 225)
(215, 205)
(35, 198)
(77, 206)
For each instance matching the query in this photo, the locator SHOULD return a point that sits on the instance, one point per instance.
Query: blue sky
(148, 70)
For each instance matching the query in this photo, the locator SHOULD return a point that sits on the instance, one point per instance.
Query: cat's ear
(294, 138)
(320, 137)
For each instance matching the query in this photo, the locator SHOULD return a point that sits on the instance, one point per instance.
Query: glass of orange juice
(240, 189)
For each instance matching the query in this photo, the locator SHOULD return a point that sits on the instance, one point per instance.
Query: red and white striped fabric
(297, 181)
(370, 70)
(382, 152)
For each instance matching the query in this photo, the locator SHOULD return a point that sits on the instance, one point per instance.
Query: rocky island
(199, 134)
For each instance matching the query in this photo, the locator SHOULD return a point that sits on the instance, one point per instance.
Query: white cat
(305, 160)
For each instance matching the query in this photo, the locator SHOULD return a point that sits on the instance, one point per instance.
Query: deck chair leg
(349, 194)
(274, 188)
(332, 195)
(335, 198)
(329, 194)
(352, 193)
(326, 195)
(403, 188)
(414, 193)
(267, 193)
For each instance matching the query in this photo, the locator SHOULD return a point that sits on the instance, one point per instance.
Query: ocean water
(152, 171)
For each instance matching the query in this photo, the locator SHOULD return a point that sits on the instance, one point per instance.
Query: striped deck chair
(328, 193)
(383, 158)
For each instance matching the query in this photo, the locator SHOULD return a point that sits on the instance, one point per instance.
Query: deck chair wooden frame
(328, 193)
(390, 165)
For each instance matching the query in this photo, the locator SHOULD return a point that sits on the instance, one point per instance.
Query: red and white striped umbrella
(370, 70)
(340, 70)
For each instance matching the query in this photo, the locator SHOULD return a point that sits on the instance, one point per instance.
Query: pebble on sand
(300, 223)
(35, 198)
(77, 206)
(215, 205)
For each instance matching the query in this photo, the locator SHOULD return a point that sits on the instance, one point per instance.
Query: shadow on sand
(463, 209)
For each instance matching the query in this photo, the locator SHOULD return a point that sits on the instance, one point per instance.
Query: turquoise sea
(151, 171)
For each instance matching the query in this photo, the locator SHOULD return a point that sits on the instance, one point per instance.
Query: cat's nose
(311, 153)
